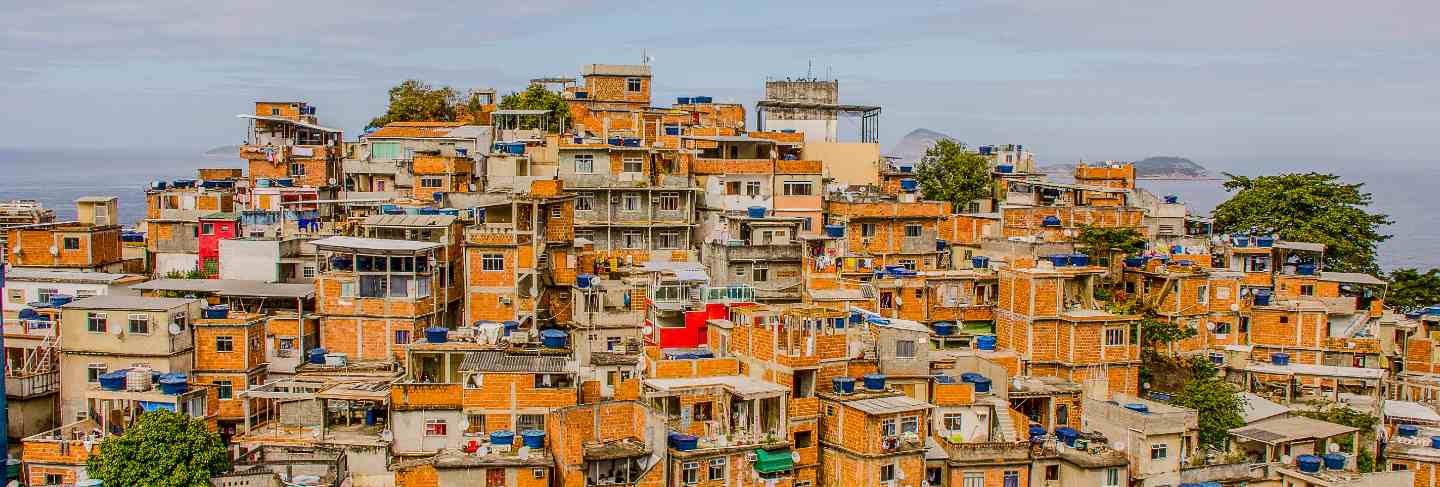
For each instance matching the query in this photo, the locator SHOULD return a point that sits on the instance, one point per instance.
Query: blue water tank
(1240, 239)
(581, 95)
(553, 338)
(174, 383)
(183, 183)
(1435, 442)
(683, 442)
(58, 300)
(1262, 298)
(1134, 261)
(1051, 221)
(262, 183)
(1137, 407)
(437, 196)
(1079, 260)
(1058, 260)
(875, 382)
(1067, 435)
(1305, 269)
(985, 342)
(1265, 241)
(1308, 463)
(1334, 461)
(285, 182)
(29, 314)
(502, 437)
(672, 130)
(317, 355)
(1407, 430)
(533, 439)
(944, 328)
(702, 99)
(372, 416)
(755, 212)
(835, 231)
(582, 281)
(217, 312)
(980, 262)
(843, 385)
(907, 168)
(982, 385)
(1004, 168)
(437, 334)
(113, 381)
(1172, 199)
(158, 185)
(908, 184)
(615, 141)
(1280, 358)
(684, 100)
(1036, 431)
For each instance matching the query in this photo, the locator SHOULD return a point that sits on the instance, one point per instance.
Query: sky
(1228, 83)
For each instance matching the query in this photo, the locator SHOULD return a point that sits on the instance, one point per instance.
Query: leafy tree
(415, 101)
(1308, 207)
(536, 97)
(1161, 333)
(1104, 242)
(163, 448)
(1218, 405)
(1410, 290)
(1344, 416)
(950, 173)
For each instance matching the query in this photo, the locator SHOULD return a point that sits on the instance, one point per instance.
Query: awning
(772, 461)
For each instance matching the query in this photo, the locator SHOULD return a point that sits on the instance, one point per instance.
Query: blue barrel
(502, 437)
(615, 141)
(835, 231)
(843, 385)
(969, 377)
(875, 382)
(1058, 260)
(217, 312)
(941, 245)
(907, 168)
(582, 281)
(1280, 358)
(985, 342)
(684, 100)
(683, 442)
(437, 334)
(1004, 168)
(1407, 430)
(944, 328)
(58, 300)
(317, 355)
(702, 99)
(632, 142)
(1334, 461)
(1262, 298)
(1305, 269)
(174, 383)
(428, 211)
(1134, 261)
(553, 338)
(1435, 442)
(980, 262)
(1036, 431)
(533, 439)
(1240, 239)
(372, 416)
(512, 326)
(1079, 260)
(1265, 241)
(1067, 435)
(284, 182)
(908, 184)
(982, 385)
(1051, 221)
(1308, 463)
(756, 211)
(1138, 407)
(113, 381)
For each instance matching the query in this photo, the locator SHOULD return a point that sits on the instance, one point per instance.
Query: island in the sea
(1153, 168)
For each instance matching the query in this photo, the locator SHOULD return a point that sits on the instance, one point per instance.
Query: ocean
(58, 177)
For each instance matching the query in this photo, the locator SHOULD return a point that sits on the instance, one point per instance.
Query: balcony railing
(32, 384)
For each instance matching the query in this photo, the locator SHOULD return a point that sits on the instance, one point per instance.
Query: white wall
(253, 260)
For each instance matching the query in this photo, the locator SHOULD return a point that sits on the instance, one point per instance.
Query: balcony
(27, 385)
(30, 328)
(762, 252)
(987, 452)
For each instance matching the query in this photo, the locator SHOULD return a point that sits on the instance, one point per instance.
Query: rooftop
(230, 287)
(141, 303)
(499, 361)
(886, 405)
(380, 245)
(75, 277)
(409, 220)
(1289, 429)
(741, 385)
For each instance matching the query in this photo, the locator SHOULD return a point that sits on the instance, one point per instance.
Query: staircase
(1357, 325)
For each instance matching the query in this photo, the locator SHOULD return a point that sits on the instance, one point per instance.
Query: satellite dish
(54, 250)
(795, 456)
(647, 329)
(175, 329)
(331, 181)
(386, 435)
(117, 330)
(1210, 326)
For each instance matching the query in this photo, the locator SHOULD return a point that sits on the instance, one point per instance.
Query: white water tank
(138, 379)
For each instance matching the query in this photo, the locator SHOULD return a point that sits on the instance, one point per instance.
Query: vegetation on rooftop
(1104, 243)
(164, 449)
(950, 173)
(1411, 290)
(536, 97)
(416, 101)
(1309, 207)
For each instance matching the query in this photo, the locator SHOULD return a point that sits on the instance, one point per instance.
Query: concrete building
(1161, 438)
(374, 296)
(104, 334)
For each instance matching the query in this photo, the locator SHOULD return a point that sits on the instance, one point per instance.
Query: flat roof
(384, 245)
(1316, 370)
(1410, 410)
(741, 385)
(885, 405)
(815, 106)
(78, 277)
(1351, 278)
(519, 112)
(1306, 246)
(409, 220)
(129, 302)
(499, 361)
(1254, 408)
(1288, 429)
(289, 121)
(230, 287)
(96, 199)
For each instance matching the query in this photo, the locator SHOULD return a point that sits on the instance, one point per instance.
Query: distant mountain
(912, 146)
(1159, 167)
(224, 150)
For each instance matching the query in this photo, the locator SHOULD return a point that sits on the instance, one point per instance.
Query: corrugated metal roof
(43, 275)
(740, 385)
(230, 287)
(1351, 278)
(884, 405)
(373, 244)
(499, 361)
(129, 302)
(1306, 246)
(409, 220)
(1284, 430)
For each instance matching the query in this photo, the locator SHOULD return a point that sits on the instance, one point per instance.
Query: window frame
(131, 321)
(793, 188)
(228, 342)
(585, 201)
(900, 346)
(1159, 451)
(91, 318)
(634, 85)
(1115, 336)
(627, 161)
(492, 262)
(914, 230)
(65, 243)
(589, 163)
(436, 427)
(224, 388)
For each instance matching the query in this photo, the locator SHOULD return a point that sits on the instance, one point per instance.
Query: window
(804, 380)
(690, 473)
(632, 240)
(71, 243)
(1257, 263)
(752, 188)
(804, 439)
(669, 201)
(307, 271)
(887, 427)
(912, 230)
(1307, 290)
(55, 478)
(285, 345)
(42, 295)
(717, 469)
(631, 202)
(492, 262)
(905, 349)
(732, 187)
(632, 84)
(1052, 472)
(224, 344)
(530, 422)
(207, 228)
(585, 202)
(632, 164)
(910, 424)
(887, 473)
(1114, 336)
(907, 263)
(402, 337)
(667, 240)
(225, 388)
(1012, 478)
(436, 427)
(584, 164)
(867, 229)
(974, 479)
(952, 421)
(887, 300)
(798, 188)
(16, 295)
(1158, 451)
(759, 272)
(739, 271)
(1062, 414)
(297, 169)
(612, 343)
(140, 323)
(1284, 319)
(1399, 467)
(702, 411)
(96, 322)
(93, 372)
(805, 223)
(431, 182)
(1203, 295)
(1112, 477)
(539, 473)
(1222, 328)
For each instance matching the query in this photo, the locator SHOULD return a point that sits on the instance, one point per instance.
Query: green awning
(771, 461)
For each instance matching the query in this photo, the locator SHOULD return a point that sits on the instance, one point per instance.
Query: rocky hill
(912, 147)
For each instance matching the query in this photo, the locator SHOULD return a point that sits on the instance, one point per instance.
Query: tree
(1104, 242)
(950, 173)
(414, 101)
(1410, 290)
(163, 448)
(1308, 207)
(536, 97)
(1218, 405)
